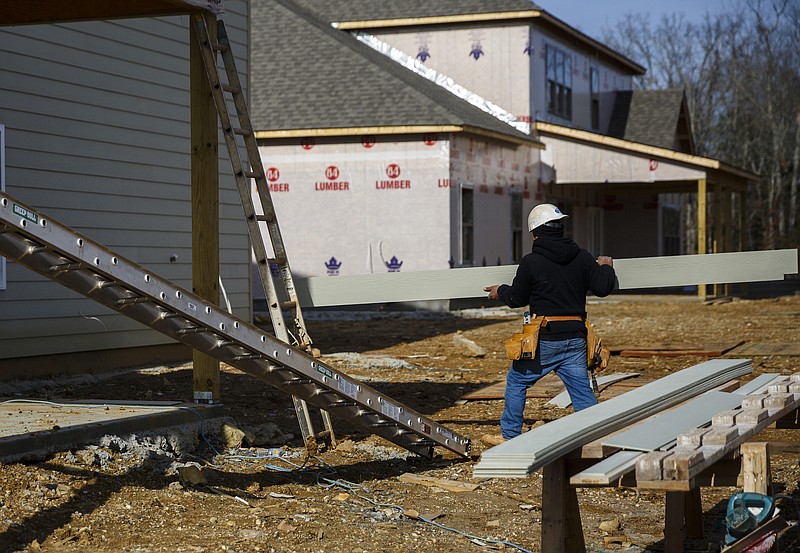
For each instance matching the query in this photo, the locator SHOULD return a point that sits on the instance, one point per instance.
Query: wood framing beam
(205, 207)
(702, 246)
(52, 11)
(717, 226)
(635, 273)
(394, 130)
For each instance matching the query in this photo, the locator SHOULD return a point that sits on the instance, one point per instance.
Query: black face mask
(549, 230)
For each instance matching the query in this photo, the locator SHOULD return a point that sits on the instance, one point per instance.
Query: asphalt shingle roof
(368, 10)
(647, 116)
(307, 75)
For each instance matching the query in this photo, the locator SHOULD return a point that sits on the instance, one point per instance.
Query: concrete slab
(32, 429)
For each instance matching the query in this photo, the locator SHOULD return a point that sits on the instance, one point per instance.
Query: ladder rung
(253, 175)
(266, 218)
(383, 424)
(295, 381)
(37, 249)
(248, 357)
(231, 89)
(224, 343)
(192, 330)
(344, 404)
(288, 304)
(219, 47)
(242, 132)
(135, 299)
(64, 267)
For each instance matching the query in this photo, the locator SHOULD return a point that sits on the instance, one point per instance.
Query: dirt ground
(109, 498)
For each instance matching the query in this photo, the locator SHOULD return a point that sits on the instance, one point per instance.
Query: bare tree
(740, 71)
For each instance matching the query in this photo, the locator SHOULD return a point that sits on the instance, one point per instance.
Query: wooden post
(561, 518)
(744, 232)
(693, 506)
(674, 525)
(717, 225)
(756, 473)
(727, 222)
(205, 205)
(701, 227)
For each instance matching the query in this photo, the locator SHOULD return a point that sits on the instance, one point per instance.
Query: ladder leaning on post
(298, 336)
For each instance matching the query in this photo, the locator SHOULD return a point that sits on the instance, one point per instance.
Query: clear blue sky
(592, 16)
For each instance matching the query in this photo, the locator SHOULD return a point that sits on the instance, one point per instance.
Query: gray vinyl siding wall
(97, 133)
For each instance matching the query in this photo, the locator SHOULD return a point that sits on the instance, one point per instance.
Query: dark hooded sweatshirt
(553, 280)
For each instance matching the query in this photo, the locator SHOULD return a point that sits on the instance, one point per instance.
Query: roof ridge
(443, 81)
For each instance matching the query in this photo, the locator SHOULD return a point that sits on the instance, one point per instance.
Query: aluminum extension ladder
(75, 261)
(243, 171)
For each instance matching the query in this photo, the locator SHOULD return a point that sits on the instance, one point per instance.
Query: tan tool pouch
(522, 345)
(597, 356)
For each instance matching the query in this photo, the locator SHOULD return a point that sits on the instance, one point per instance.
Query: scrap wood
(766, 349)
(672, 349)
(449, 485)
(548, 387)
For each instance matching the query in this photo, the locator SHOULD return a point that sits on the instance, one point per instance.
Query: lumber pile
(519, 457)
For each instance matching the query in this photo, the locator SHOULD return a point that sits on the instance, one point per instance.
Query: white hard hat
(544, 213)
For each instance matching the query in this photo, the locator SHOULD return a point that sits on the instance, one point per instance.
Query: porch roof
(579, 157)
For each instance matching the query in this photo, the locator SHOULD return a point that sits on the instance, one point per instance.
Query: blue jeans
(567, 358)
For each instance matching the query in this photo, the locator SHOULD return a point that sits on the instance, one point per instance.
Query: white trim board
(661, 431)
(643, 272)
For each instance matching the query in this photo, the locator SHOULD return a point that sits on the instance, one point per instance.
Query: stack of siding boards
(660, 433)
(699, 448)
(519, 457)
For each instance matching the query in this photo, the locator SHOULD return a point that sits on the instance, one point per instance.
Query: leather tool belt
(522, 345)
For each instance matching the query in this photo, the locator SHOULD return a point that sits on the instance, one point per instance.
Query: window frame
(558, 82)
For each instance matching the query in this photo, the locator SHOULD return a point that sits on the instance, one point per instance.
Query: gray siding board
(126, 200)
(101, 47)
(157, 150)
(27, 346)
(98, 137)
(118, 77)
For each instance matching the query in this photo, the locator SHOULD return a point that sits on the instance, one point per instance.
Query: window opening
(467, 227)
(516, 227)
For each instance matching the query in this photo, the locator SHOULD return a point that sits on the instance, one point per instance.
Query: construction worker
(553, 280)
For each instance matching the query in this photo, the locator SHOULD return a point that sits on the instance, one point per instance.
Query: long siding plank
(645, 272)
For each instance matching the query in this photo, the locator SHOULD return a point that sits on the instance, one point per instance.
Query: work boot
(492, 439)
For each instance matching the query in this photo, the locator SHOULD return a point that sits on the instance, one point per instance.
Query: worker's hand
(492, 291)
(605, 260)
